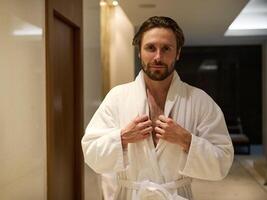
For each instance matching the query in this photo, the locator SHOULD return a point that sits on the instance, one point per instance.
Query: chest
(181, 109)
(156, 106)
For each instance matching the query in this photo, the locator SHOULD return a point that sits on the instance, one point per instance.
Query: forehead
(159, 36)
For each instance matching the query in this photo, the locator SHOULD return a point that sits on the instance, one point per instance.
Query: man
(157, 133)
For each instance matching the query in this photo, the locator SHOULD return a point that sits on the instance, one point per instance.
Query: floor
(242, 183)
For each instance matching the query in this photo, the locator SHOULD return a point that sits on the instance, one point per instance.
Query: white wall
(92, 82)
(121, 50)
(22, 102)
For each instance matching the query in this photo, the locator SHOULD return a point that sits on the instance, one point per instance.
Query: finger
(147, 130)
(141, 118)
(161, 124)
(159, 136)
(163, 118)
(145, 136)
(145, 124)
(142, 125)
(159, 130)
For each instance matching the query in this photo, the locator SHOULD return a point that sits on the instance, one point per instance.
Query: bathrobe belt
(151, 190)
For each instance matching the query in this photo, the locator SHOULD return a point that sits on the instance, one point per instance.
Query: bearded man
(158, 133)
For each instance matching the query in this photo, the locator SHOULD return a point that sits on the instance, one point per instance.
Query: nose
(158, 55)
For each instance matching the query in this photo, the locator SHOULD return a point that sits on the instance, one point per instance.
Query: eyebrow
(152, 43)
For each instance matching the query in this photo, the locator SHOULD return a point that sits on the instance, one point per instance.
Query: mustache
(158, 63)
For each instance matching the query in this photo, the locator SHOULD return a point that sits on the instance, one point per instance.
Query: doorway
(64, 89)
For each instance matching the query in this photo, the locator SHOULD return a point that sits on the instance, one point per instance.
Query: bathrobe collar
(152, 153)
(171, 99)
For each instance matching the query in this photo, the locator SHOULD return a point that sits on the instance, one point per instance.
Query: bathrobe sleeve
(211, 151)
(101, 143)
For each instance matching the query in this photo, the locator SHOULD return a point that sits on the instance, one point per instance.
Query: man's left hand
(167, 129)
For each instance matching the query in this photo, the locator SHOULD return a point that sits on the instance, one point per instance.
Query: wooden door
(64, 99)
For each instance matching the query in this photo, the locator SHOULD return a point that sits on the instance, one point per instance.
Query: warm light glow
(115, 3)
(28, 30)
(103, 3)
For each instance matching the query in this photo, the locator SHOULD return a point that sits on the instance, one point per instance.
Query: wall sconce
(115, 3)
(109, 2)
(102, 3)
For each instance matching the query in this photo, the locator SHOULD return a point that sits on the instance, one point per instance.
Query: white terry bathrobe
(165, 171)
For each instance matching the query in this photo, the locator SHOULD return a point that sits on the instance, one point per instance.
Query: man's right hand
(138, 129)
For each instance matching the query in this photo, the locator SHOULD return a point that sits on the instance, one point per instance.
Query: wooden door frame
(50, 11)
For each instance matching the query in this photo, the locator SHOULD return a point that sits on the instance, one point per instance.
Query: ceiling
(204, 21)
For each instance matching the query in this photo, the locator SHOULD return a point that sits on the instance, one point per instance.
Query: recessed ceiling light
(252, 20)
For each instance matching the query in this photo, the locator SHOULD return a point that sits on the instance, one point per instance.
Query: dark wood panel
(63, 95)
(70, 8)
(64, 88)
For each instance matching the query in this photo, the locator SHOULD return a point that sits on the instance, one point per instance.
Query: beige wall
(121, 61)
(121, 50)
(22, 101)
(22, 86)
(117, 53)
(264, 95)
(92, 83)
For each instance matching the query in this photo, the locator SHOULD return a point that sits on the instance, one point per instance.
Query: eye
(150, 47)
(166, 48)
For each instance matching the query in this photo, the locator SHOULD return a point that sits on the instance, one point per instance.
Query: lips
(158, 66)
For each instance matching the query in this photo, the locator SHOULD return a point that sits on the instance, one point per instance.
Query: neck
(158, 88)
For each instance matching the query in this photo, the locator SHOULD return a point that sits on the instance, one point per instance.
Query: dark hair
(159, 22)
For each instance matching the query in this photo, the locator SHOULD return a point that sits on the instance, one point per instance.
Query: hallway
(25, 144)
(240, 184)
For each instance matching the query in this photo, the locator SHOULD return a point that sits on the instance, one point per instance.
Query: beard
(161, 74)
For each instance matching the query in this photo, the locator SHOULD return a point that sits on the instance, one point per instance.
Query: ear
(178, 54)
